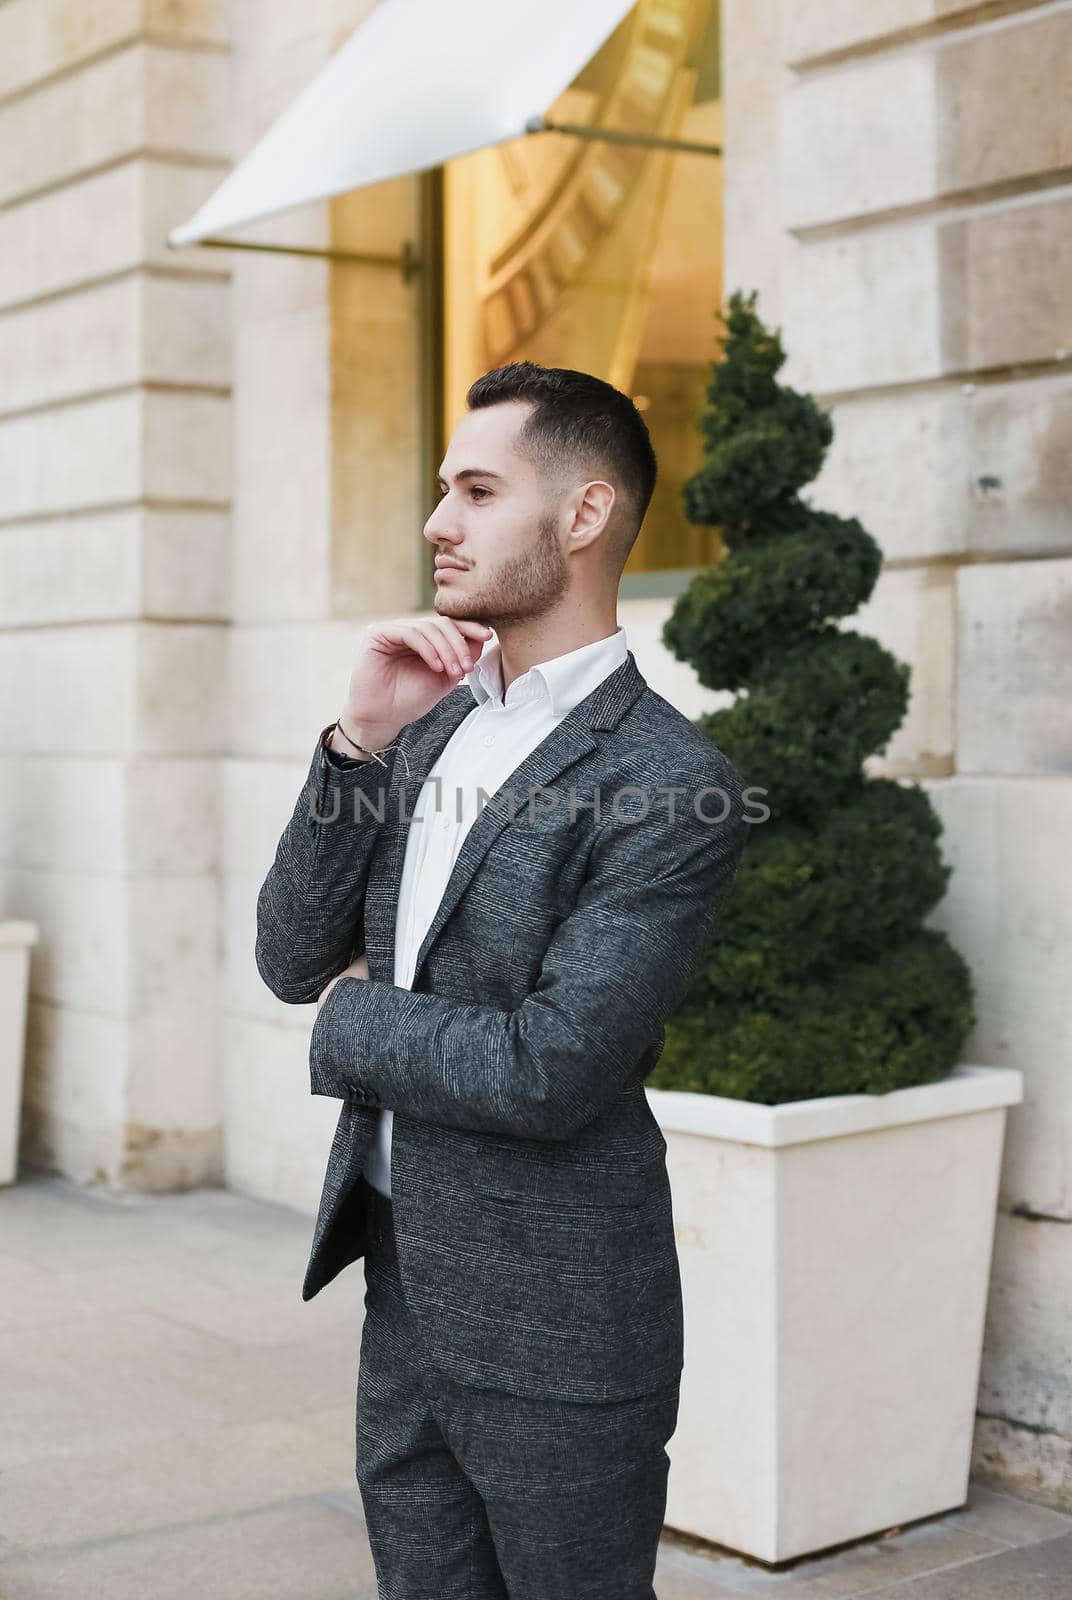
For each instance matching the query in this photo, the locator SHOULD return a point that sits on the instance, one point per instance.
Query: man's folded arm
(309, 908)
(617, 967)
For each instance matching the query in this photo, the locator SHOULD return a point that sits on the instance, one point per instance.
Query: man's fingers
(423, 646)
(453, 646)
(442, 639)
(467, 636)
(471, 625)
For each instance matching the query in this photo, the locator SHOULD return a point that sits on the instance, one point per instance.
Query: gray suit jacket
(532, 1204)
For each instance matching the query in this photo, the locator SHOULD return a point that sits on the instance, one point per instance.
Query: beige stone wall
(114, 535)
(902, 198)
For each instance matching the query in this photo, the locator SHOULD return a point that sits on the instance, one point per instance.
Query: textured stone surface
(40, 39)
(278, 1135)
(912, 612)
(906, 127)
(858, 141)
(108, 223)
(754, 241)
(140, 98)
(202, 1474)
(168, 562)
(378, 510)
(135, 329)
(282, 467)
(276, 1550)
(1039, 1572)
(984, 325)
(1008, 910)
(122, 688)
(308, 667)
(1024, 1430)
(1027, 67)
(139, 817)
(123, 942)
(115, 469)
(929, 297)
(845, 26)
(1014, 654)
(942, 471)
(156, 444)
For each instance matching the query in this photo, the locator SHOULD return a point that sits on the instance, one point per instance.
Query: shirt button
(489, 738)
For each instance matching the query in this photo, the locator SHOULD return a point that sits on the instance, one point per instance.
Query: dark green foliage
(824, 979)
(815, 901)
(813, 714)
(872, 1027)
(763, 440)
(722, 623)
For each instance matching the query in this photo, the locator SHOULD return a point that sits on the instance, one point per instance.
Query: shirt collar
(564, 680)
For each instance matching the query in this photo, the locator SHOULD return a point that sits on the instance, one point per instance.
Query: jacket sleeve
(309, 909)
(617, 967)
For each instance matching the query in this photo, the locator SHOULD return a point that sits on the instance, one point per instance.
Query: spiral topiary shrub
(824, 979)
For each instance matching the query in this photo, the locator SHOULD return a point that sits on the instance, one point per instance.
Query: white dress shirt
(488, 745)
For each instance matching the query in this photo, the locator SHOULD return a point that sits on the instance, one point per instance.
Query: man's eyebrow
(472, 472)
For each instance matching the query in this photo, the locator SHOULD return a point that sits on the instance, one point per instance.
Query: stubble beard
(525, 587)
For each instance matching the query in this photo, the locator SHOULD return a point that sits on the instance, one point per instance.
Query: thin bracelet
(354, 744)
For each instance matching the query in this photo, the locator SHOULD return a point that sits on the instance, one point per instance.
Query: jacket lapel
(573, 738)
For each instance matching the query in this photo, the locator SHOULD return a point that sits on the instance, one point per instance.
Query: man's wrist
(340, 746)
(356, 741)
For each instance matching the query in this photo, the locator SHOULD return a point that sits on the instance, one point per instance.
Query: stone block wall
(115, 472)
(902, 199)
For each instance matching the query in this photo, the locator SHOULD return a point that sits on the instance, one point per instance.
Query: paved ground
(175, 1419)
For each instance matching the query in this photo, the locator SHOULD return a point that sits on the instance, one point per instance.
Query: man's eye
(442, 488)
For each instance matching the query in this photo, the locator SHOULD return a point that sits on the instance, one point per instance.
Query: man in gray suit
(507, 862)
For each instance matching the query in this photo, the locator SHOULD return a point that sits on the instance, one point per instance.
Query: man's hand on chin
(356, 969)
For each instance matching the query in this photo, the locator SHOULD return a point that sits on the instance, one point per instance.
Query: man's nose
(438, 524)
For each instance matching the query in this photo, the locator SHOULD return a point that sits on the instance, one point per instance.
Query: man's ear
(592, 511)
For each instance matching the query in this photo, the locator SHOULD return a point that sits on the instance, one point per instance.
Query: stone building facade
(206, 459)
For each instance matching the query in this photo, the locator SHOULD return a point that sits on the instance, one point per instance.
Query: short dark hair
(579, 421)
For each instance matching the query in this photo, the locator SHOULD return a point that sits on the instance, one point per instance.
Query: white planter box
(16, 938)
(835, 1261)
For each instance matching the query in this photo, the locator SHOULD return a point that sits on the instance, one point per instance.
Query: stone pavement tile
(30, 1294)
(247, 1219)
(693, 1573)
(250, 1308)
(103, 1381)
(1006, 1519)
(200, 1472)
(297, 1550)
(65, 1227)
(75, 1250)
(690, 1574)
(236, 1301)
(71, 1227)
(1041, 1571)
(97, 1380)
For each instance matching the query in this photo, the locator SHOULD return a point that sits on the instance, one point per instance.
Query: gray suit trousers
(479, 1494)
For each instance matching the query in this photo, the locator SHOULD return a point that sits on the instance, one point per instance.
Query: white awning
(419, 82)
